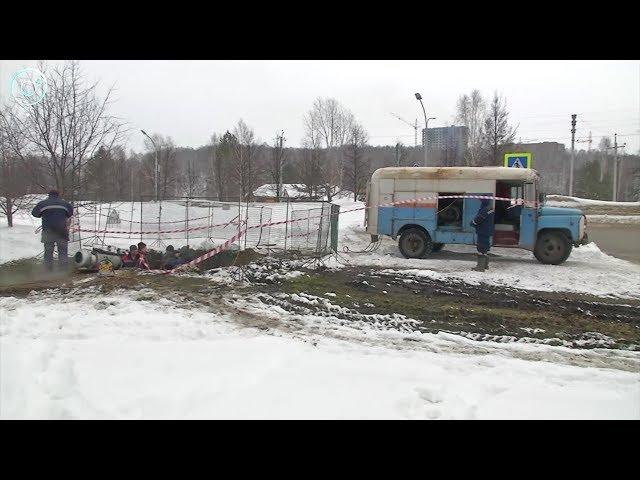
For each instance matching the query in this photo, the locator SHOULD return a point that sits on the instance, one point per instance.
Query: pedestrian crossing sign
(517, 160)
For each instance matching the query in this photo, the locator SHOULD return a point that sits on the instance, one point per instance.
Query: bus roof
(456, 173)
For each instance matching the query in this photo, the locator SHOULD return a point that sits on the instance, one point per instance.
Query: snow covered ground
(119, 357)
(21, 240)
(616, 219)
(566, 201)
(588, 269)
(123, 356)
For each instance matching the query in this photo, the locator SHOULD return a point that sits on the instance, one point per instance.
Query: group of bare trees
(65, 129)
(488, 128)
(52, 142)
(336, 157)
(70, 140)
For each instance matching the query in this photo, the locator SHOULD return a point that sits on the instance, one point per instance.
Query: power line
(541, 115)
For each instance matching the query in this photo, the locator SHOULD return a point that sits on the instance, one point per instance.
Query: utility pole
(615, 165)
(573, 152)
(397, 154)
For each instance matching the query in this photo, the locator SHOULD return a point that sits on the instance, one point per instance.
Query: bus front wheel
(552, 248)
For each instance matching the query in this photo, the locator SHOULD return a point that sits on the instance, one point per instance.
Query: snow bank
(118, 357)
(617, 219)
(562, 200)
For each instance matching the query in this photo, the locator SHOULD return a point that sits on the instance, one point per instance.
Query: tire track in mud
(350, 326)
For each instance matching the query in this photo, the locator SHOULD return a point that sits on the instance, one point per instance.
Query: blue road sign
(517, 160)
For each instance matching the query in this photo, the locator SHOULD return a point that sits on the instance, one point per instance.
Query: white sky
(189, 100)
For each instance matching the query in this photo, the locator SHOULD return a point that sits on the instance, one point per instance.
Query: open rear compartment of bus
(450, 209)
(507, 216)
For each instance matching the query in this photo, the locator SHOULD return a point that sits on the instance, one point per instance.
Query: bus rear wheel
(415, 243)
(552, 248)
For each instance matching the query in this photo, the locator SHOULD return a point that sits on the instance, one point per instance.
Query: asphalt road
(622, 241)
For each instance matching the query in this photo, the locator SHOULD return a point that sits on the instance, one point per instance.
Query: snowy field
(122, 356)
(115, 357)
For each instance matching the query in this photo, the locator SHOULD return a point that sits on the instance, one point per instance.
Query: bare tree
(68, 125)
(168, 175)
(496, 130)
(605, 144)
(210, 183)
(471, 112)
(328, 123)
(98, 180)
(309, 170)
(356, 166)
(192, 182)
(13, 185)
(246, 151)
(276, 163)
(224, 153)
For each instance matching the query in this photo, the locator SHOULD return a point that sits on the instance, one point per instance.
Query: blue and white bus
(426, 225)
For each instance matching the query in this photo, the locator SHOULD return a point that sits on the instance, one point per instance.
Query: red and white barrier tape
(239, 235)
(517, 201)
(155, 222)
(154, 232)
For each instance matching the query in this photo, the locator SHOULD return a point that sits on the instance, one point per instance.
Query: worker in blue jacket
(54, 212)
(484, 225)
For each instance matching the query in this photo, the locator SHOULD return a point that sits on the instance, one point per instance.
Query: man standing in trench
(54, 212)
(484, 225)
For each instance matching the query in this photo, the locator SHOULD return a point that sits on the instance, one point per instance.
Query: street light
(156, 162)
(426, 125)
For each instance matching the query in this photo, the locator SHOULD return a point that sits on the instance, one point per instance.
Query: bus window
(529, 193)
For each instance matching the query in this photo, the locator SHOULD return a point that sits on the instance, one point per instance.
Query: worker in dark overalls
(54, 212)
(484, 225)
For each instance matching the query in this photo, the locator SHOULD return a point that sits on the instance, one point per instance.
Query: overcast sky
(190, 100)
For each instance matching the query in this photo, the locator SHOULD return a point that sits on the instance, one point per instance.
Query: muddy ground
(478, 312)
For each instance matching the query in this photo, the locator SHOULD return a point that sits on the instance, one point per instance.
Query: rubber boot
(486, 262)
(480, 267)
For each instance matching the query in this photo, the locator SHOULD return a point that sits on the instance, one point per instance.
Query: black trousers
(483, 244)
(51, 239)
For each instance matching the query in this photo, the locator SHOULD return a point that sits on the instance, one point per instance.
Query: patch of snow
(564, 200)
(136, 359)
(618, 219)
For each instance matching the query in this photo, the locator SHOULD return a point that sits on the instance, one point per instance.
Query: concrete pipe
(90, 259)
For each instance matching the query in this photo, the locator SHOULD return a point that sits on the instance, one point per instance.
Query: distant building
(290, 191)
(446, 145)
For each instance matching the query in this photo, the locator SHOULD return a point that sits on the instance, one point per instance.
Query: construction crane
(412, 125)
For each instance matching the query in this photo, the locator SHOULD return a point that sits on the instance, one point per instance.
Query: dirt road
(619, 240)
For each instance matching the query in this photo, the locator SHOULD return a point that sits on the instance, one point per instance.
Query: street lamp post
(426, 139)
(426, 125)
(155, 147)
